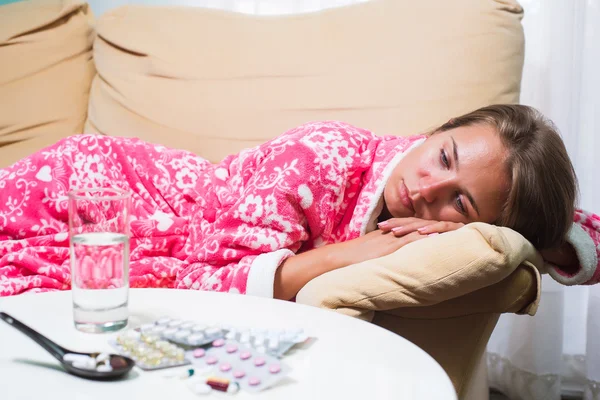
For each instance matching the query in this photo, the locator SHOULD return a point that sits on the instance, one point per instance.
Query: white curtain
(558, 351)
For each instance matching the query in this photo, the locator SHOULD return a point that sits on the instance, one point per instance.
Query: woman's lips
(404, 198)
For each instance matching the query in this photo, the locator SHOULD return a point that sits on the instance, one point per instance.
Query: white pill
(196, 339)
(170, 332)
(202, 388)
(158, 330)
(259, 340)
(233, 388)
(132, 334)
(231, 334)
(273, 343)
(187, 325)
(198, 328)
(81, 364)
(104, 368)
(245, 337)
(163, 321)
(146, 327)
(71, 357)
(182, 334)
(102, 357)
(175, 323)
(212, 331)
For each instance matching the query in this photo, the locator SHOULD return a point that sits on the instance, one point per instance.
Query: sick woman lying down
(319, 197)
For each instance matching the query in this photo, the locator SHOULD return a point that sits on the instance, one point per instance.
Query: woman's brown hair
(543, 190)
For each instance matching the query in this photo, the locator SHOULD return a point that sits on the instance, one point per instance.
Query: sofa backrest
(214, 82)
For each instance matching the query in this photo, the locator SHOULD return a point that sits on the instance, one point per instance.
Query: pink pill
(259, 361)
(253, 381)
(199, 353)
(218, 343)
(275, 368)
(239, 374)
(225, 367)
(244, 355)
(211, 360)
(232, 348)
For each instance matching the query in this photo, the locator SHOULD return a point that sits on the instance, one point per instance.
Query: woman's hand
(297, 271)
(372, 245)
(403, 226)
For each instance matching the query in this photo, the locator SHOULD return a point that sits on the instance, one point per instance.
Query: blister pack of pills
(148, 351)
(233, 362)
(186, 333)
(275, 342)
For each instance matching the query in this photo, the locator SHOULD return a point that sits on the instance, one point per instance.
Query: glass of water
(99, 239)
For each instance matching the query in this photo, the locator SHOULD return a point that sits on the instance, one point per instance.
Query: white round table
(350, 359)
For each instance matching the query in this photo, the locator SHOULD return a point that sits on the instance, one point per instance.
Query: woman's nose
(432, 187)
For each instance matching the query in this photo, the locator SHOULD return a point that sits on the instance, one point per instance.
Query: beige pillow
(215, 82)
(45, 74)
(425, 273)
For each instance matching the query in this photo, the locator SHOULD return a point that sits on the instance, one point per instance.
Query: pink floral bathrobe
(221, 227)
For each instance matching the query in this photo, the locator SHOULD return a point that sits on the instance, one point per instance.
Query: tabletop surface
(350, 359)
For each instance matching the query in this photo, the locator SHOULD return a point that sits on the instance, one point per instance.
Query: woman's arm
(577, 261)
(297, 271)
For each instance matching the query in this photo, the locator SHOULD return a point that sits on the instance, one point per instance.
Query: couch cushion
(214, 82)
(430, 272)
(45, 74)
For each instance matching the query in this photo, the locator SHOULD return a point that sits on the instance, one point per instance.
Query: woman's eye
(460, 205)
(444, 158)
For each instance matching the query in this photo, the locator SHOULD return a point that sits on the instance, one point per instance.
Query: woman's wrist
(297, 271)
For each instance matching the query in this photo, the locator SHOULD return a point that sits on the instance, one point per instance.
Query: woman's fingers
(413, 227)
(440, 227)
(392, 223)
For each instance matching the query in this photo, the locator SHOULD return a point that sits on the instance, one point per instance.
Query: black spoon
(120, 365)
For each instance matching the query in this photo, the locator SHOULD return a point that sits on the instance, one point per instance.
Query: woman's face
(456, 175)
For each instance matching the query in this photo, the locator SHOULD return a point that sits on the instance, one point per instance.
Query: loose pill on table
(211, 360)
(198, 353)
(233, 388)
(244, 355)
(202, 388)
(232, 348)
(218, 343)
(238, 374)
(259, 361)
(225, 367)
(275, 368)
(253, 381)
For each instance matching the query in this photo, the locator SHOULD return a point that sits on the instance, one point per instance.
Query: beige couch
(215, 82)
